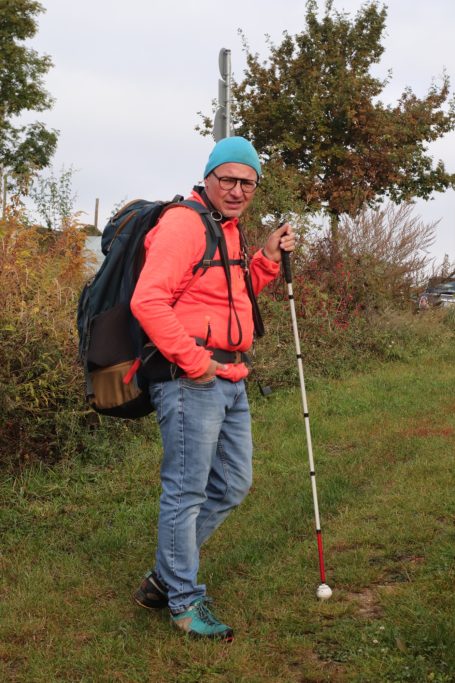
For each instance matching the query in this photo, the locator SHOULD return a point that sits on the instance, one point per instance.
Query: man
(203, 415)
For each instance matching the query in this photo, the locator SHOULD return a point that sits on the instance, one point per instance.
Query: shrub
(333, 347)
(42, 412)
(354, 307)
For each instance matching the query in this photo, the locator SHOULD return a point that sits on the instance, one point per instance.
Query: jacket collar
(201, 195)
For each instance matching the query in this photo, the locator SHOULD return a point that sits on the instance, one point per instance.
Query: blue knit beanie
(233, 150)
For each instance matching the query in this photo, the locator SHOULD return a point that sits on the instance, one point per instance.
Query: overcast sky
(130, 77)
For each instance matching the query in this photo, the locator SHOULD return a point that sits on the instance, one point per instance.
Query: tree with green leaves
(314, 106)
(54, 198)
(23, 148)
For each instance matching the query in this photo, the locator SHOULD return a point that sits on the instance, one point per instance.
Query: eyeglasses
(227, 183)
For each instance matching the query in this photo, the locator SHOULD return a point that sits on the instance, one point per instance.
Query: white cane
(324, 591)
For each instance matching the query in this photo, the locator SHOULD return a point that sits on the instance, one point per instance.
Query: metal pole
(222, 121)
(228, 93)
(97, 206)
(5, 187)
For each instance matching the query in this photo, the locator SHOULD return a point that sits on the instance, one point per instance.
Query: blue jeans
(205, 473)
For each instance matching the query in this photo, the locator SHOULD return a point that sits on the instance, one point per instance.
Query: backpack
(111, 341)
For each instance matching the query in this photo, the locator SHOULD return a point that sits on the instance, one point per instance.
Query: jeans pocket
(192, 384)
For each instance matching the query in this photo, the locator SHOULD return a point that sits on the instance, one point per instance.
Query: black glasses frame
(227, 183)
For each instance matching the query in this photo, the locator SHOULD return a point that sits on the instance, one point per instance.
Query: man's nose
(237, 189)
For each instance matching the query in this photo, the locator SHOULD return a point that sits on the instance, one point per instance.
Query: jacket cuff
(266, 264)
(201, 369)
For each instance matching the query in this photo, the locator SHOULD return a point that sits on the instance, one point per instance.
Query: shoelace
(205, 614)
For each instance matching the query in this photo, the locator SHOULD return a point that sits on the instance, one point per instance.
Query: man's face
(231, 203)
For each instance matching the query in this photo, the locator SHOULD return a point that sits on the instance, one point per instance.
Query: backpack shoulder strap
(213, 234)
(214, 238)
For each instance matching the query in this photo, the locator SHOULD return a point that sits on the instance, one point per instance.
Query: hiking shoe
(151, 594)
(199, 622)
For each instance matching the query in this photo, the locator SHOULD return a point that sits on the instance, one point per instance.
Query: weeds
(330, 350)
(42, 411)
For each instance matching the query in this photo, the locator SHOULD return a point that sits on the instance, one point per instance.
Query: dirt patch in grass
(425, 432)
(326, 670)
(366, 603)
(426, 427)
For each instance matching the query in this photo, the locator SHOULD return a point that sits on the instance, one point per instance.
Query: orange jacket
(173, 247)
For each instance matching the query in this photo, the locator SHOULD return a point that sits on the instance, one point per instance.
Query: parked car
(442, 294)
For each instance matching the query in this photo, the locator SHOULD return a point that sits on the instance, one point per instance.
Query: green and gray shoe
(151, 594)
(199, 622)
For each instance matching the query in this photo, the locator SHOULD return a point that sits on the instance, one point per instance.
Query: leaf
(401, 645)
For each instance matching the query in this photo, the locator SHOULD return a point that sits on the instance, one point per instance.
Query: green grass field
(76, 540)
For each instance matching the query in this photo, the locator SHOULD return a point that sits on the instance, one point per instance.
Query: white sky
(130, 77)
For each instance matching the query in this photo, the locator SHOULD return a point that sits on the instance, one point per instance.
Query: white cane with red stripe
(324, 591)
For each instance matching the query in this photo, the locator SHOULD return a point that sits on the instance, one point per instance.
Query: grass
(77, 538)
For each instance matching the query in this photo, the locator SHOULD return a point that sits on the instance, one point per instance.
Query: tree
(22, 147)
(54, 198)
(314, 104)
